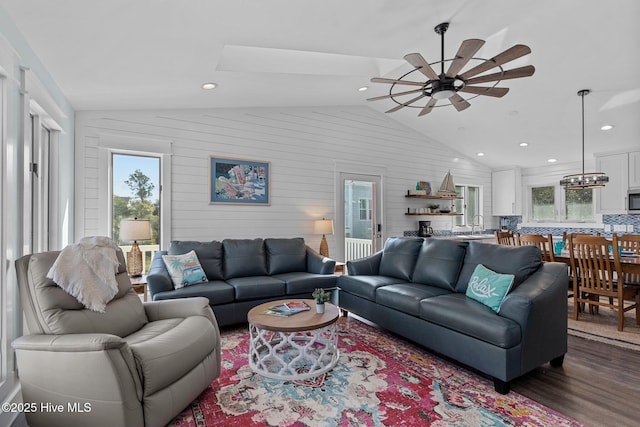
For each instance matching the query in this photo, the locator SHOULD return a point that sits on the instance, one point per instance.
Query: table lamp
(324, 227)
(134, 230)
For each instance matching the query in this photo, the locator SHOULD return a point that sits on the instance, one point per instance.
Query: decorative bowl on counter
(444, 210)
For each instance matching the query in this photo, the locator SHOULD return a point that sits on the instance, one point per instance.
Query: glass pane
(579, 205)
(543, 203)
(459, 205)
(136, 193)
(358, 225)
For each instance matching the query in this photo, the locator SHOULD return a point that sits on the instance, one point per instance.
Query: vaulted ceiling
(155, 54)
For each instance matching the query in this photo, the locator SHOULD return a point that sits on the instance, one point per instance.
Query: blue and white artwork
(239, 181)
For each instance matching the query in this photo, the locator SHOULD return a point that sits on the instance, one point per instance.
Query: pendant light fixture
(584, 180)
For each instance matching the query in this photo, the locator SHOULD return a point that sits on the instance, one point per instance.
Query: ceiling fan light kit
(449, 84)
(584, 180)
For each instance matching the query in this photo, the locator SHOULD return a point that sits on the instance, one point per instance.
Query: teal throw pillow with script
(488, 287)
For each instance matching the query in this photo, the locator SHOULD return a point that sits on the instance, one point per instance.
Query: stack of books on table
(287, 309)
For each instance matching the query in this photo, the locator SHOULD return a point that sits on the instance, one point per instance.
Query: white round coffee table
(297, 347)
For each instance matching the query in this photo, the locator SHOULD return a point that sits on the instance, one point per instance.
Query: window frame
(560, 206)
(464, 220)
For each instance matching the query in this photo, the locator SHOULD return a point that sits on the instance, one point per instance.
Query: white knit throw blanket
(87, 270)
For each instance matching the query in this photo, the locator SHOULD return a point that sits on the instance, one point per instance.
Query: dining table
(629, 264)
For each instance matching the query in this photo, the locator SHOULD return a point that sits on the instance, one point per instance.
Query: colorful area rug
(603, 327)
(379, 380)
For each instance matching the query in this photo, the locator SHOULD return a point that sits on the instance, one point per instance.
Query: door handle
(379, 228)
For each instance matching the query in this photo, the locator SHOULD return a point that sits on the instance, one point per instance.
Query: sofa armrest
(539, 306)
(180, 308)
(319, 264)
(158, 278)
(367, 266)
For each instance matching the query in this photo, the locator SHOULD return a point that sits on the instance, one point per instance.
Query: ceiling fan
(448, 85)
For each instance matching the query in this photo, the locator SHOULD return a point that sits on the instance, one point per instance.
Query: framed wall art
(239, 181)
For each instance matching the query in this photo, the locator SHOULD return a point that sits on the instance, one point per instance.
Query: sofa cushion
(286, 255)
(488, 287)
(255, 287)
(365, 286)
(399, 257)
(521, 261)
(244, 257)
(209, 254)
(216, 291)
(301, 283)
(184, 269)
(406, 297)
(439, 263)
(461, 314)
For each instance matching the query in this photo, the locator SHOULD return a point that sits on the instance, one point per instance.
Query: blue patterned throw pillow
(184, 269)
(488, 287)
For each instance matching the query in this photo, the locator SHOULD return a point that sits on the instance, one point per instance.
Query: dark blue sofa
(243, 273)
(416, 288)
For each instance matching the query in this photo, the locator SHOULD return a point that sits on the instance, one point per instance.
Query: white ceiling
(151, 54)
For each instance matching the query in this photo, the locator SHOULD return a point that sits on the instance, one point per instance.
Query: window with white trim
(552, 203)
(469, 205)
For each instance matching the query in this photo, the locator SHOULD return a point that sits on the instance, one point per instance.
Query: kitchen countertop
(468, 237)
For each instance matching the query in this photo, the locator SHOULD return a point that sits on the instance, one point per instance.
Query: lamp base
(324, 247)
(134, 261)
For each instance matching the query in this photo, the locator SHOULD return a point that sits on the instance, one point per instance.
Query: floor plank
(598, 384)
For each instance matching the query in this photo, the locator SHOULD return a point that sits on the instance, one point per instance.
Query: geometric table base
(293, 355)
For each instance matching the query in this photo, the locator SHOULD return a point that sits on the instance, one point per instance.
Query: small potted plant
(433, 208)
(320, 296)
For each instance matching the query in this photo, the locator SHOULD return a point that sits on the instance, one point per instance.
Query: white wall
(303, 145)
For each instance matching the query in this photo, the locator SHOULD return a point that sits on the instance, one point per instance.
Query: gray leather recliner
(134, 365)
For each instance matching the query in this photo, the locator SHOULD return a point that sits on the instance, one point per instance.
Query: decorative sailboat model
(447, 188)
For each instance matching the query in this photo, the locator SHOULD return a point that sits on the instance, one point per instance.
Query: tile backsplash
(619, 224)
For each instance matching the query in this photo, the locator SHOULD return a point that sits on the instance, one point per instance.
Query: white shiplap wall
(304, 145)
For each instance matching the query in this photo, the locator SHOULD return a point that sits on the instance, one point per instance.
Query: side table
(139, 284)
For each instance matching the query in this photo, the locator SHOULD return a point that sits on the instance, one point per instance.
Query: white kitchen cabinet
(506, 192)
(611, 199)
(634, 169)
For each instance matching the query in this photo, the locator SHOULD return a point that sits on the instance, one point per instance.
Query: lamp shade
(135, 229)
(323, 226)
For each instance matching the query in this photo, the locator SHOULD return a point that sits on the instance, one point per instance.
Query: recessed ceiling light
(524, 144)
(209, 85)
(480, 154)
(552, 160)
(363, 88)
(607, 127)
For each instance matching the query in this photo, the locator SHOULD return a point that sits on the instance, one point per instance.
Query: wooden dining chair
(631, 243)
(597, 273)
(544, 243)
(505, 238)
(565, 235)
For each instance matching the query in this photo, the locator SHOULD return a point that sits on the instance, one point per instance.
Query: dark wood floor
(598, 384)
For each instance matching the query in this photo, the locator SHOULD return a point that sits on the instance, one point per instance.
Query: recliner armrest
(319, 264)
(367, 266)
(180, 308)
(68, 343)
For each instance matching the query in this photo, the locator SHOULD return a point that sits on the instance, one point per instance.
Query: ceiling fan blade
(467, 49)
(497, 92)
(419, 62)
(404, 104)
(508, 55)
(377, 98)
(392, 81)
(428, 108)
(525, 71)
(458, 102)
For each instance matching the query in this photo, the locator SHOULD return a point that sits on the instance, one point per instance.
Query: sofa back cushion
(286, 255)
(521, 261)
(244, 257)
(209, 254)
(399, 257)
(439, 263)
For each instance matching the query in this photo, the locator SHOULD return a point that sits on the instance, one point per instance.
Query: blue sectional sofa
(417, 287)
(243, 273)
